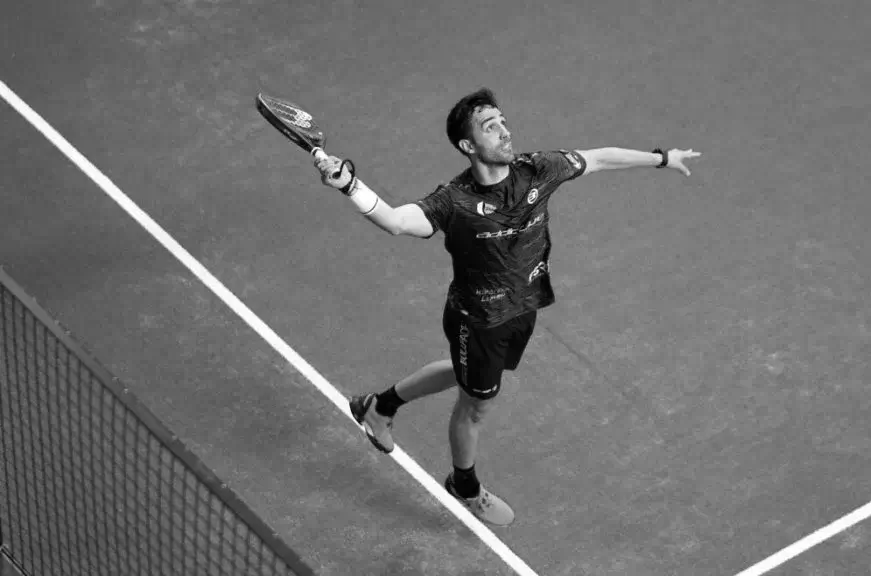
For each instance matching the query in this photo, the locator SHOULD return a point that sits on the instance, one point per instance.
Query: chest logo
(506, 232)
(485, 209)
(532, 196)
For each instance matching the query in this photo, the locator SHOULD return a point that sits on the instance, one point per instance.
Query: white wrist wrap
(363, 198)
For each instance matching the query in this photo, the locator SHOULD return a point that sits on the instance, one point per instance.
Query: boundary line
(258, 325)
(840, 525)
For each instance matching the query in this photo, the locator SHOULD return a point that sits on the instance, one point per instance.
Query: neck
(489, 174)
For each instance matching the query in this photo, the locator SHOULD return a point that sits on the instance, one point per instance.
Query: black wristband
(664, 155)
(353, 170)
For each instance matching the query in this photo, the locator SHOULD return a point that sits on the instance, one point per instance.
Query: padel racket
(296, 124)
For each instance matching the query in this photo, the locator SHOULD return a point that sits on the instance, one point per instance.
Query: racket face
(292, 121)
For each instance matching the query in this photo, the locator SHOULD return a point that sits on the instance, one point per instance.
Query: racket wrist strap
(352, 170)
(363, 197)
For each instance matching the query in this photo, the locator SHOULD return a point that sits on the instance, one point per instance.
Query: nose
(506, 133)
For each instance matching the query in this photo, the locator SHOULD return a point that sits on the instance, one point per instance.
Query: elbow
(388, 222)
(596, 159)
(396, 227)
(390, 228)
(608, 157)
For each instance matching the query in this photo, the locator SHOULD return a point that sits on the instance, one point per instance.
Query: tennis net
(92, 483)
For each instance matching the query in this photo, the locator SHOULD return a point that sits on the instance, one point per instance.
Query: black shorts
(479, 355)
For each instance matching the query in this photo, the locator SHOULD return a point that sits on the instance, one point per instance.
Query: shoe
(486, 506)
(377, 427)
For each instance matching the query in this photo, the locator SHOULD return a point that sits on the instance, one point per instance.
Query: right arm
(407, 219)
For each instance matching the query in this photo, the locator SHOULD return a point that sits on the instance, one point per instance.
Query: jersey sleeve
(562, 165)
(438, 208)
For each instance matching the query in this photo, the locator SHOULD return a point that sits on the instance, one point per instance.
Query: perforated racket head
(291, 120)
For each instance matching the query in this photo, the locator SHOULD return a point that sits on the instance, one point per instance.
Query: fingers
(678, 159)
(327, 164)
(329, 167)
(335, 172)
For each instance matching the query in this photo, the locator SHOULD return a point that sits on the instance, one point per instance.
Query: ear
(466, 146)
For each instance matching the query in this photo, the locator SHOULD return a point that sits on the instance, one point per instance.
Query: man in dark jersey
(495, 221)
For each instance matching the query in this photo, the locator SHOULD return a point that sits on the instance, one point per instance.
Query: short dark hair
(460, 116)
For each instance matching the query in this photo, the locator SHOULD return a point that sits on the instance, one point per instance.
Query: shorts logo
(533, 196)
(464, 343)
(539, 270)
(485, 209)
(464, 352)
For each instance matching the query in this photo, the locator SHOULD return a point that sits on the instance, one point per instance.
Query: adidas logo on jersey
(485, 209)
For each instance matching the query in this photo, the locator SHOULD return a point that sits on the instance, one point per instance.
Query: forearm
(620, 158)
(374, 208)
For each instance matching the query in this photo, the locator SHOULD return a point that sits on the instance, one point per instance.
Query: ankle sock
(388, 402)
(466, 482)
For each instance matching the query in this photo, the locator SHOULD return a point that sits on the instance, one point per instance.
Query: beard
(498, 156)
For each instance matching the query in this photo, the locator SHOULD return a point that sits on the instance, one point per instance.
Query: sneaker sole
(359, 405)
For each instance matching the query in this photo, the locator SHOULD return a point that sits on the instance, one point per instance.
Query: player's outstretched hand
(335, 172)
(676, 159)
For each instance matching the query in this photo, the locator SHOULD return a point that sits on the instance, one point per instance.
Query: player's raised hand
(335, 172)
(676, 159)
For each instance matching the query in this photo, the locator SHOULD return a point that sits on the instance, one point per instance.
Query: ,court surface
(695, 402)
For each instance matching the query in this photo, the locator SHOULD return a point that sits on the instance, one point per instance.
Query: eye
(491, 126)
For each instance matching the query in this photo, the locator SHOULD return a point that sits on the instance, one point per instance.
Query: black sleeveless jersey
(498, 235)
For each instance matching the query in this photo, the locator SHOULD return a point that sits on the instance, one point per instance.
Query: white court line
(809, 541)
(260, 327)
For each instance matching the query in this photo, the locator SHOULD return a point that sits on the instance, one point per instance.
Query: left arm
(621, 158)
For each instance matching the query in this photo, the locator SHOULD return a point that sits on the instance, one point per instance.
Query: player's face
(490, 136)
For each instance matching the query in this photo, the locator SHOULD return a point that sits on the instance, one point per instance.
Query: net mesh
(91, 483)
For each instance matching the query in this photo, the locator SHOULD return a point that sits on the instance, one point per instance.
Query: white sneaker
(486, 506)
(377, 427)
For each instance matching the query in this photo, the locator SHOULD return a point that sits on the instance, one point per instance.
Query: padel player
(495, 221)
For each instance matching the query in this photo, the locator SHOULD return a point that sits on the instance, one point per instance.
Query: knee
(472, 409)
(476, 415)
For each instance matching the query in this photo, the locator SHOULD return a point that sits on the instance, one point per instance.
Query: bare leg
(466, 422)
(431, 379)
